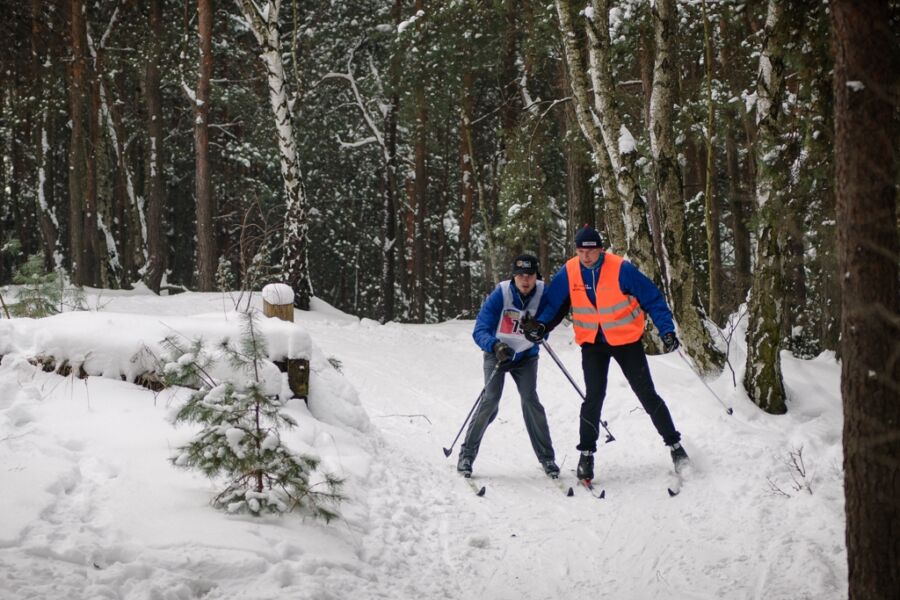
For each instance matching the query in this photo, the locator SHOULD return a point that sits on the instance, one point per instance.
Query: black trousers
(633, 361)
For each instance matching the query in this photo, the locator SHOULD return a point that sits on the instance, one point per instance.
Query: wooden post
(278, 302)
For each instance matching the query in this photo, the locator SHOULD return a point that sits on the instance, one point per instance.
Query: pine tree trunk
(77, 158)
(668, 181)
(713, 239)
(205, 207)
(468, 192)
(740, 201)
(46, 212)
(866, 84)
(154, 180)
(763, 379)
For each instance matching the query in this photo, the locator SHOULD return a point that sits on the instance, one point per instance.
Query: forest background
(392, 156)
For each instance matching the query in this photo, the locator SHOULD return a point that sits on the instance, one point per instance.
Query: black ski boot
(464, 466)
(550, 468)
(680, 458)
(585, 470)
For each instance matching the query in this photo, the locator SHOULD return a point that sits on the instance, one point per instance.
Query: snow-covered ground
(90, 507)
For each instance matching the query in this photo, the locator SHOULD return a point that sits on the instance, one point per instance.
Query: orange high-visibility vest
(620, 316)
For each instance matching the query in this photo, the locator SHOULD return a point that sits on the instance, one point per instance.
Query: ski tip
(481, 492)
(730, 411)
(447, 452)
(672, 493)
(602, 494)
(570, 493)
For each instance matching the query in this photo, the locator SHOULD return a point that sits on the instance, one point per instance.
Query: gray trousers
(524, 373)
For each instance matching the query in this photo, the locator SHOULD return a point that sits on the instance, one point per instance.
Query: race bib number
(509, 322)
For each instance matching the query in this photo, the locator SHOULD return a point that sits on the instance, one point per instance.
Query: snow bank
(116, 345)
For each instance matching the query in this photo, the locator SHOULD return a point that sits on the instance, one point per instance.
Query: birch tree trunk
(295, 261)
(763, 379)
(866, 87)
(683, 294)
(206, 239)
(620, 144)
(590, 129)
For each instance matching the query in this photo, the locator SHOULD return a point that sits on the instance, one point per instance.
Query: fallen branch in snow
(48, 364)
(801, 479)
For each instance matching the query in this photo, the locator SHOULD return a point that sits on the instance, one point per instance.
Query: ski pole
(728, 409)
(609, 436)
(449, 451)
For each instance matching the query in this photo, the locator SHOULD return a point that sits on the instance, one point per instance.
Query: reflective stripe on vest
(620, 316)
(508, 330)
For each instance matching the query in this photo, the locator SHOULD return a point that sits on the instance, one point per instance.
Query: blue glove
(670, 342)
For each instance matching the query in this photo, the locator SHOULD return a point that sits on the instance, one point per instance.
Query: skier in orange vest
(608, 296)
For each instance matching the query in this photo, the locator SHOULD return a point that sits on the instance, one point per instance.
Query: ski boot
(464, 466)
(550, 468)
(585, 470)
(679, 457)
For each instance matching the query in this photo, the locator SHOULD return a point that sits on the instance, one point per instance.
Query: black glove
(503, 353)
(670, 342)
(534, 331)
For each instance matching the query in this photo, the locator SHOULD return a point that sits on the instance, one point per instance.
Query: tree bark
(620, 145)
(205, 206)
(866, 88)
(46, 211)
(713, 239)
(763, 379)
(587, 122)
(683, 294)
(154, 180)
(738, 195)
(77, 157)
(295, 260)
(467, 186)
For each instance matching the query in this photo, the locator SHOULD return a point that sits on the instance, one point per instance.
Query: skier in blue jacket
(497, 332)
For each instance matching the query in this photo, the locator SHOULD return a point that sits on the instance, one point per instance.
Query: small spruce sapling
(241, 436)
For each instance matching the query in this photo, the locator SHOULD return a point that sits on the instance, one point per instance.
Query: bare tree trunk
(295, 261)
(154, 181)
(763, 379)
(391, 179)
(620, 145)
(77, 144)
(579, 191)
(467, 186)
(420, 184)
(739, 196)
(584, 111)
(713, 239)
(866, 86)
(49, 224)
(668, 181)
(205, 203)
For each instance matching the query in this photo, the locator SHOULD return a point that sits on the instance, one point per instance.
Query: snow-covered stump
(278, 302)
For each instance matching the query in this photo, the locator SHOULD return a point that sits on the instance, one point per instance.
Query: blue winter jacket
(631, 282)
(489, 317)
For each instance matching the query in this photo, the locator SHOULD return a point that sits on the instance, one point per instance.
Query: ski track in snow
(414, 529)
